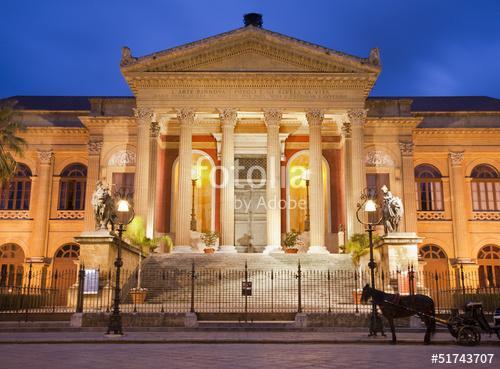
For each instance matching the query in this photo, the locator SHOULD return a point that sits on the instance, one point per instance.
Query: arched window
(485, 188)
(72, 187)
(68, 251)
(432, 252)
(15, 195)
(488, 259)
(11, 265)
(429, 188)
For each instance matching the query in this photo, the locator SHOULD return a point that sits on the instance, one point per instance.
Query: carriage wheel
(469, 336)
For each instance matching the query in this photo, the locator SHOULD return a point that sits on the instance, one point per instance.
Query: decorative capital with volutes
(357, 116)
(94, 147)
(228, 117)
(406, 148)
(272, 117)
(45, 156)
(315, 117)
(456, 157)
(186, 116)
(346, 129)
(144, 115)
(155, 129)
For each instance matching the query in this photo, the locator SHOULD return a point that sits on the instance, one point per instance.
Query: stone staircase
(219, 281)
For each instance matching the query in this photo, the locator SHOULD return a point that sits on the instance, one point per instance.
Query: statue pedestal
(98, 250)
(394, 254)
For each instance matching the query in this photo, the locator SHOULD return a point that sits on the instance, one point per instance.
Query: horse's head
(366, 293)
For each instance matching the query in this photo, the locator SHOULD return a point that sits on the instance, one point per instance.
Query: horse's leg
(393, 330)
(428, 329)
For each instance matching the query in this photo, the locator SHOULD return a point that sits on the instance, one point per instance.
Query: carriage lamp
(195, 176)
(307, 222)
(368, 205)
(124, 215)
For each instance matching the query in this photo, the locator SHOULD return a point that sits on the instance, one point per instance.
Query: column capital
(357, 116)
(143, 115)
(272, 117)
(315, 117)
(45, 156)
(94, 146)
(228, 117)
(346, 129)
(186, 116)
(456, 158)
(406, 148)
(154, 129)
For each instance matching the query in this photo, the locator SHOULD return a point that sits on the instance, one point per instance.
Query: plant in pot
(291, 242)
(209, 239)
(358, 246)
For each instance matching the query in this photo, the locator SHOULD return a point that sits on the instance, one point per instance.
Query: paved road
(229, 356)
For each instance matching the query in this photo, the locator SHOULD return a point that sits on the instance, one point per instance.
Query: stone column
(41, 205)
(357, 118)
(153, 163)
(272, 119)
(93, 166)
(184, 190)
(141, 179)
(409, 198)
(459, 217)
(316, 206)
(228, 119)
(350, 201)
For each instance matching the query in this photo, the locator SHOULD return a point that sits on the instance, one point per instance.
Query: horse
(394, 306)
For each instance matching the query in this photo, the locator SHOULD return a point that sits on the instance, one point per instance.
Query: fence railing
(233, 290)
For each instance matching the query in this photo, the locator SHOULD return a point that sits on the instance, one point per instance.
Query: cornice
(56, 131)
(456, 131)
(391, 122)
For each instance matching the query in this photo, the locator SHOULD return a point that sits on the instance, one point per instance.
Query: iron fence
(233, 290)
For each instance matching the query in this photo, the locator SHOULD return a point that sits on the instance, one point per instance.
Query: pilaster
(459, 216)
(41, 204)
(94, 147)
(357, 119)
(409, 199)
(154, 131)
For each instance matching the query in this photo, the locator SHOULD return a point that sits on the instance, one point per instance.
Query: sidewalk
(227, 337)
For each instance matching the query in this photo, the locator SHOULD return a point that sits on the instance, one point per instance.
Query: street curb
(235, 341)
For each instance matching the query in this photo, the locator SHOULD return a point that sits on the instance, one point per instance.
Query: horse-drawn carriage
(465, 327)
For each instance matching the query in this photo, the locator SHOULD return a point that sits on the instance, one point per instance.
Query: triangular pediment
(248, 49)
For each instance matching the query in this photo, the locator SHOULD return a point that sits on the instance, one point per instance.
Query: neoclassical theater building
(227, 131)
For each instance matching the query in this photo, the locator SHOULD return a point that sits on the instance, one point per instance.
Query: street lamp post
(307, 221)
(369, 206)
(195, 175)
(125, 214)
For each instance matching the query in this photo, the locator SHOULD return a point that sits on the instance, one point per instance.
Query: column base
(317, 250)
(227, 249)
(273, 249)
(182, 249)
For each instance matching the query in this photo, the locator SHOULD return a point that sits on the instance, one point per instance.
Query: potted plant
(291, 242)
(358, 246)
(209, 239)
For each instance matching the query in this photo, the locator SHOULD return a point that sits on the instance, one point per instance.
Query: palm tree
(10, 143)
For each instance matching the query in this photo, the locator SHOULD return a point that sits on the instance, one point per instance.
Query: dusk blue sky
(72, 47)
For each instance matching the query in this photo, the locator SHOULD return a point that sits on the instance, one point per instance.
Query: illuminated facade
(271, 106)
